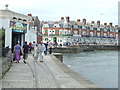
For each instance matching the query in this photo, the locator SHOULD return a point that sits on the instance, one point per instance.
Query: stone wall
(5, 63)
(83, 48)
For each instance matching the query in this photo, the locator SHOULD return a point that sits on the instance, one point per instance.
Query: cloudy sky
(103, 10)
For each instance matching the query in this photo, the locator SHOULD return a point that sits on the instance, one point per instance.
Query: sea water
(100, 67)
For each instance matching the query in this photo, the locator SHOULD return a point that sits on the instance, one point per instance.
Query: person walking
(35, 52)
(30, 45)
(33, 45)
(46, 48)
(50, 48)
(25, 51)
(17, 52)
(41, 49)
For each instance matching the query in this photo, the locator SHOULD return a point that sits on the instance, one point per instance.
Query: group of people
(38, 51)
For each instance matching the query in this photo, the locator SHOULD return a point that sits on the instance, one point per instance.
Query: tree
(2, 37)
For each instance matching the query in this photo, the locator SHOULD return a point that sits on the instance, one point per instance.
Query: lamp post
(39, 29)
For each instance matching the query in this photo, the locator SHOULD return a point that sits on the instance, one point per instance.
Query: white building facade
(76, 32)
(18, 28)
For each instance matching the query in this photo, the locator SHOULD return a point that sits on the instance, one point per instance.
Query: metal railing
(4, 51)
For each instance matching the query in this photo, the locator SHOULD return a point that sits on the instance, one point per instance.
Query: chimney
(110, 24)
(92, 22)
(68, 19)
(78, 20)
(105, 24)
(30, 14)
(62, 18)
(84, 21)
(6, 7)
(98, 23)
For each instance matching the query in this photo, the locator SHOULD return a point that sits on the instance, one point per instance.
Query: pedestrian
(25, 51)
(30, 45)
(50, 50)
(35, 52)
(41, 49)
(46, 48)
(33, 45)
(17, 52)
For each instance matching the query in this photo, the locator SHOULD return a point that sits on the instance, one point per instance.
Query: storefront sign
(18, 27)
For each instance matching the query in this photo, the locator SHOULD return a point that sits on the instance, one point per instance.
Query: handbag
(20, 52)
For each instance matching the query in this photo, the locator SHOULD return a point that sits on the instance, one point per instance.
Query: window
(46, 39)
(53, 32)
(108, 29)
(75, 32)
(83, 27)
(98, 29)
(83, 33)
(76, 26)
(88, 28)
(60, 31)
(101, 29)
(45, 25)
(105, 29)
(111, 35)
(91, 33)
(98, 34)
(80, 27)
(43, 31)
(67, 26)
(105, 34)
(56, 25)
(49, 32)
(94, 28)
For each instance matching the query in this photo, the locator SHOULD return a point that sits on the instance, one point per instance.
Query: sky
(53, 10)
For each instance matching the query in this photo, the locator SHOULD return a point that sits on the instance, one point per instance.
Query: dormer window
(14, 18)
(24, 20)
(56, 25)
(19, 19)
(45, 25)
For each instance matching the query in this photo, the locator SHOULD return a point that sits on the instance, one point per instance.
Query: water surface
(100, 67)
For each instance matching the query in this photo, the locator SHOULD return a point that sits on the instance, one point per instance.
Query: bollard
(59, 56)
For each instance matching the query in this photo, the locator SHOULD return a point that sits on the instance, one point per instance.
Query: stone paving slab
(36, 74)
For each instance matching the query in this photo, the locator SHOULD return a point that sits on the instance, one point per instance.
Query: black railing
(4, 51)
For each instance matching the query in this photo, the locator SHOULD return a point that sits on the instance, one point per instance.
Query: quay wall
(81, 79)
(83, 48)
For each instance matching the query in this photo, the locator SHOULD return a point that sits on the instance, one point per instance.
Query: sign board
(18, 27)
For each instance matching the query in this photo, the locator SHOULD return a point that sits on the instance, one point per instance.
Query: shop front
(18, 33)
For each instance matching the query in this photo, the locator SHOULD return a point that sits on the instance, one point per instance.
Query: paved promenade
(48, 74)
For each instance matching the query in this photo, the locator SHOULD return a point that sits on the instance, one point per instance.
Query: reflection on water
(101, 67)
